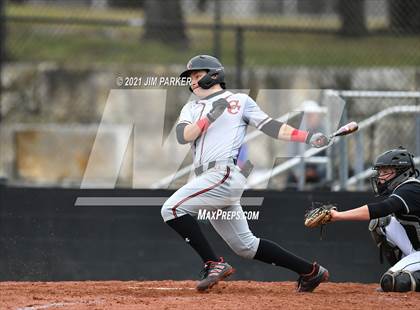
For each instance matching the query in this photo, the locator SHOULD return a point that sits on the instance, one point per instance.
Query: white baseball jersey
(225, 135)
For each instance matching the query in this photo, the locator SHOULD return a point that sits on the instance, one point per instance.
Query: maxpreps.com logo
(220, 214)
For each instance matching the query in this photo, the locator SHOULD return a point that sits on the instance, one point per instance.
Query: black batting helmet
(215, 71)
(399, 159)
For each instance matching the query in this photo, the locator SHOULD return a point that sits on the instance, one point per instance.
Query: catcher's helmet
(402, 161)
(215, 71)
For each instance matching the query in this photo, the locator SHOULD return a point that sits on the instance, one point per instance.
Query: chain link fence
(388, 120)
(274, 33)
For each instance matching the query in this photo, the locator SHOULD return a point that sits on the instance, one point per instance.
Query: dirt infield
(182, 295)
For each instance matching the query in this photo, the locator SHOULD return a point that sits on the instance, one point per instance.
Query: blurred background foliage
(285, 33)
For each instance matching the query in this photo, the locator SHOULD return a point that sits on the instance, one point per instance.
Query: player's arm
(186, 133)
(259, 119)
(358, 214)
(286, 132)
(370, 211)
(189, 132)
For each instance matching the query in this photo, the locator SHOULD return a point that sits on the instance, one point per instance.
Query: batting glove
(219, 107)
(318, 140)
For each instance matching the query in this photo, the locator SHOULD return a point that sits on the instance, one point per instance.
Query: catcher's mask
(401, 161)
(215, 71)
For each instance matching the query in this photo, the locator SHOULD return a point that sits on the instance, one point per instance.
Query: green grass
(330, 50)
(326, 22)
(58, 11)
(122, 45)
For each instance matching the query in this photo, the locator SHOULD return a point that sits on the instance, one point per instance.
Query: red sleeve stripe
(299, 135)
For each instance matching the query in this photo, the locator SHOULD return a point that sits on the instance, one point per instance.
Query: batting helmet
(402, 161)
(215, 71)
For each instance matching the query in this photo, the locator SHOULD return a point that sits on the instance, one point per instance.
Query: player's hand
(319, 140)
(334, 215)
(219, 107)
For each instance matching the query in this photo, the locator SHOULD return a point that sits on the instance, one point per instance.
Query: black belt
(245, 170)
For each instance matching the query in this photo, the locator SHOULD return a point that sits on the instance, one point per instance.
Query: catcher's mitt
(318, 216)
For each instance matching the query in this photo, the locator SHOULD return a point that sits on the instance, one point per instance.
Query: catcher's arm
(370, 211)
(328, 213)
(358, 214)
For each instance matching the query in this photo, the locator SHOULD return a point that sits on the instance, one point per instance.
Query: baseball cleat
(213, 272)
(308, 282)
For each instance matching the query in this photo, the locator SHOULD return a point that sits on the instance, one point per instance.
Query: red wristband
(203, 124)
(299, 135)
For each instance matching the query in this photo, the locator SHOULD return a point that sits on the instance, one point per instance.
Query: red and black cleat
(213, 272)
(308, 282)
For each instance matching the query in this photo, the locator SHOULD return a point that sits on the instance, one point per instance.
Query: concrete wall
(44, 237)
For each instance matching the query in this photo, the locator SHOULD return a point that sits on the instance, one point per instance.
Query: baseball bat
(345, 130)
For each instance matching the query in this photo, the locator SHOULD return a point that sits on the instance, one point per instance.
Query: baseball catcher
(215, 126)
(394, 222)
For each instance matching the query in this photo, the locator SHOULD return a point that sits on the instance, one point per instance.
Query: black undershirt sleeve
(410, 192)
(272, 128)
(180, 133)
(385, 207)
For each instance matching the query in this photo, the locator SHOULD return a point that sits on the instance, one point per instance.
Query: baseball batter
(395, 222)
(215, 126)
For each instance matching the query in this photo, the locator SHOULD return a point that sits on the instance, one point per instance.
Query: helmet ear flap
(213, 77)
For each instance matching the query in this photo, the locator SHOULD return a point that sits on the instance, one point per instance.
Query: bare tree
(405, 16)
(352, 16)
(165, 23)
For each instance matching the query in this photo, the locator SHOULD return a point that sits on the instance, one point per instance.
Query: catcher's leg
(410, 262)
(403, 276)
(391, 238)
(396, 234)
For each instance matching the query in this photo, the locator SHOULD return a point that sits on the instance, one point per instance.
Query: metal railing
(291, 163)
(344, 180)
(365, 174)
(370, 121)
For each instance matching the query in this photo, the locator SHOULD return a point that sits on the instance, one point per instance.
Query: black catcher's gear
(400, 281)
(402, 161)
(377, 230)
(215, 71)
